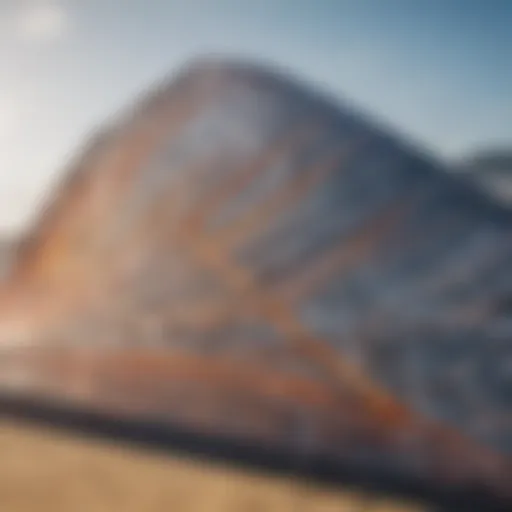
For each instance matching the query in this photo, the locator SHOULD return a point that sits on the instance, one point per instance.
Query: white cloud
(42, 21)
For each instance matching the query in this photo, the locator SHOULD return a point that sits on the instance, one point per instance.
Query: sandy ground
(46, 470)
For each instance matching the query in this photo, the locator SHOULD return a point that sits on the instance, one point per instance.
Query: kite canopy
(244, 259)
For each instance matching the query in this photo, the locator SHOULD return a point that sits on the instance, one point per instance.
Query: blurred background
(436, 71)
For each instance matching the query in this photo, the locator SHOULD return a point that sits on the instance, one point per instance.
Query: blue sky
(436, 70)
